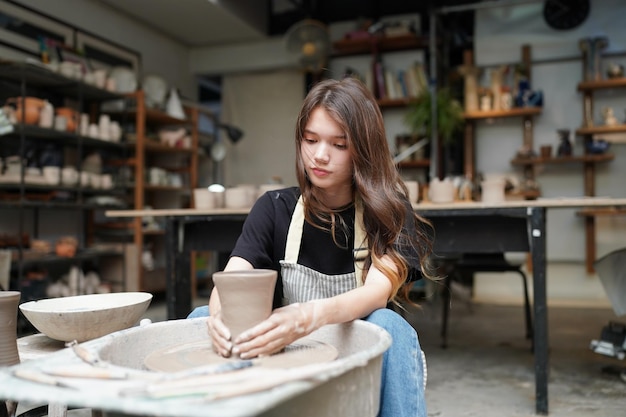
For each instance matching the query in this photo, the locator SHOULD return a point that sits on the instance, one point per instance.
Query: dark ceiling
(455, 30)
(329, 11)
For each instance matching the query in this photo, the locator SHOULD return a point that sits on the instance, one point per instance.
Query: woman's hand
(220, 335)
(284, 326)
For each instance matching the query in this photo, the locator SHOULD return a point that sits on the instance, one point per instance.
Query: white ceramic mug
(492, 190)
(237, 197)
(52, 174)
(69, 175)
(60, 123)
(441, 191)
(93, 131)
(106, 181)
(414, 190)
(203, 198)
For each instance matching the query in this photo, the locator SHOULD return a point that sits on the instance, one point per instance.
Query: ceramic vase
(246, 297)
(565, 146)
(9, 301)
(592, 53)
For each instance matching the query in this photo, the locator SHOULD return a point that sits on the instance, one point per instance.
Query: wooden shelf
(420, 163)
(498, 114)
(53, 135)
(602, 84)
(41, 77)
(157, 147)
(373, 44)
(609, 211)
(395, 102)
(525, 194)
(149, 187)
(563, 159)
(600, 130)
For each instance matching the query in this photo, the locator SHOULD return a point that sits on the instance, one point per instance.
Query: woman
(346, 241)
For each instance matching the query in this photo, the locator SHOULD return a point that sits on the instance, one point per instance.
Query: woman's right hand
(220, 335)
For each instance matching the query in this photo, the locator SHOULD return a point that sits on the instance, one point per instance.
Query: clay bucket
(350, 388)
(9, 301)
(246, 297)
(27, 107)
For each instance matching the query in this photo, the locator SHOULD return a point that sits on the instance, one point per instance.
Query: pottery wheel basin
(348, 386)
(360, 345)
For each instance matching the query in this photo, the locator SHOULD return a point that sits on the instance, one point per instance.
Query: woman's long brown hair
(377, 185)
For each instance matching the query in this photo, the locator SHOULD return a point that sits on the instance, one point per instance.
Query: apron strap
(360, 243)
(294, 238)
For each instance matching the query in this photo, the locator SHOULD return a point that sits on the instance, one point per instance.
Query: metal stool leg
(445, 301)
(529, 320)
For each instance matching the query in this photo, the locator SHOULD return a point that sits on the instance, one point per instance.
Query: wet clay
(246, 297)
(304, 351)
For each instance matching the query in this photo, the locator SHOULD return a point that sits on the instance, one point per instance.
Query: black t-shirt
(264, 236)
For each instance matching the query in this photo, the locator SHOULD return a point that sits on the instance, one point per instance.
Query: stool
(472, 263)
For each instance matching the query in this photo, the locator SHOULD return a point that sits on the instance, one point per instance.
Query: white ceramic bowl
(237, 198)
(52, 174)
(86, 317)
(203, 198)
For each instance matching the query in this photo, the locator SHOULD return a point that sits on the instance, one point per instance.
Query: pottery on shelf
(27, 109)
(174, 107)
(609, 116)
(592, 53)
(246, 297)
(615, 70)
(565, 146)
(597, 146)
(441, 191)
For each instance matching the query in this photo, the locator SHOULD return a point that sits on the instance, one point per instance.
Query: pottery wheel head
(304, 351)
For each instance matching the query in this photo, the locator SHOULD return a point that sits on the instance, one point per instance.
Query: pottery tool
(214, 387)
(40, 377)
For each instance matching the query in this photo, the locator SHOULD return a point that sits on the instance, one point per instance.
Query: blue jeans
(402, 385)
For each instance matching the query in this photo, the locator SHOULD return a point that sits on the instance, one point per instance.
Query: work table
(564, 202)
(460, 227)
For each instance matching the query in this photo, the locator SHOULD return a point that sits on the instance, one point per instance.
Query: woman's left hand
(283, 327)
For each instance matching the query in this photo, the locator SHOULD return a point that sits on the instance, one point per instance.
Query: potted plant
(449, 121)
(449, 115)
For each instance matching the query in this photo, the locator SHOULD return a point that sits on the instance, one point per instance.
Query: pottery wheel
(200, 353)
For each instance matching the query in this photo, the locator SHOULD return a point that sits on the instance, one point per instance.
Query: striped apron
(301, 283)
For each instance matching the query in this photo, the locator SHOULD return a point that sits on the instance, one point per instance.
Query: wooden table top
(564, 202)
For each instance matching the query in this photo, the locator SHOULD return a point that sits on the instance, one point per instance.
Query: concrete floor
(487, 370)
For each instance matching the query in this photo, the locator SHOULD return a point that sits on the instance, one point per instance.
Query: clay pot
(27, 107)
(246, 297)
(9, 301)
(441, 191)
(66, 246)
(71, 117)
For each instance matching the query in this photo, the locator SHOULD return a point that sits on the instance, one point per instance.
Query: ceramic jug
(9, 301)
(246, 297)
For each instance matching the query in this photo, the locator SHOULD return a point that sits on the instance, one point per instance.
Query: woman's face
(324, 151)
